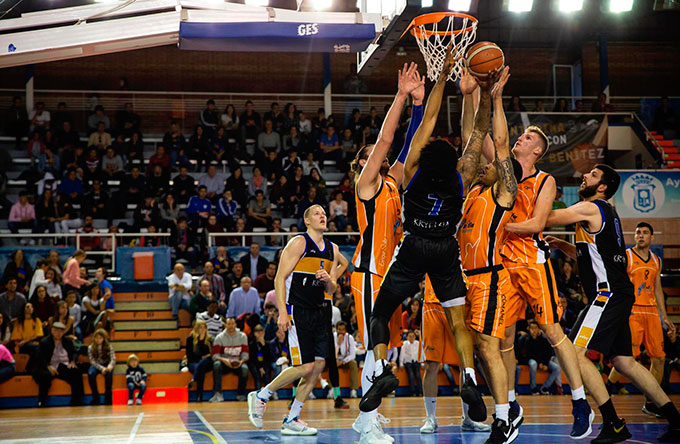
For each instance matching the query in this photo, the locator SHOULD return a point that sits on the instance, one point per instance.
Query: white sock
(380, 365)
(578, 393)
(511, 396)
(264, 393)
(430, 406)
(471, 373)
(367, 372)
(295, 409)
(502, 412)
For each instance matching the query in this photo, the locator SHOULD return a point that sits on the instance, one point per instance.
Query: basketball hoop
(435, 31)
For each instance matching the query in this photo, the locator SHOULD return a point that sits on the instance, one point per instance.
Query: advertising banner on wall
(648, 194)
(577, 141)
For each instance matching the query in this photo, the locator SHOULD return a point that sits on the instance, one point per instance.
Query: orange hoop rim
(436, 17)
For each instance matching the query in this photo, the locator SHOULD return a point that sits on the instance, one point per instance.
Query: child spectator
(53, 286)
(227, 210)
(212, 319)
(135, 376)
(198, 355)
(259, 363)
(62, 315)
(72, 279)
(76, 312)
(230, 354)
(540, 357)
(94, 311)
(279, 352)
(27, 330)
(409, 360)
(269, 320)
(102, 360)
(7, 364)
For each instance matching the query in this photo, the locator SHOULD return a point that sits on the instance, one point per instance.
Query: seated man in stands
(56, 358)
(540, 357)
(244, 299)
(212, 318)
(132, 188)
(100, 139)
(112, 165)
(265, 282)
(183, 185)
(230, 354)
(345, 353)
(179, 289)
(11, 301)
(213, 182)
(200, 299)
(215, 280)
(253, 263)
(259, 211)
(22, 215)
(199, 208)
(89, 243)
(183, 242)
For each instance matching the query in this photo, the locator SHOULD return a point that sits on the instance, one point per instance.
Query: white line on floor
(135, 427)
(210, 427)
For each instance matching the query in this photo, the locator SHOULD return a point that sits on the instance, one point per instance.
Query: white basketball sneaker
(430, 425)
(297, 427)
(468, 425)
(373, 434)
(256, 408)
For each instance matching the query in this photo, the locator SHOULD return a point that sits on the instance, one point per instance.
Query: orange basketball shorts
(438, 342)
(646, 329)
(487, 296)
(534, 284)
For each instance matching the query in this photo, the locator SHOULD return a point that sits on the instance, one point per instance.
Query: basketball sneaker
(516, 414)
(363, 422)
(471, 396)
(382, 385)
(652, 410)
(583, 419)
(256, 408)
(612, 432)
(468, 425)
(430, 425)
(296, 427)
(340, 403)
(373, 434)
(502, 432)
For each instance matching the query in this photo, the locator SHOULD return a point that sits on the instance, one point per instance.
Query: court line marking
(210, 427)
(135, 427)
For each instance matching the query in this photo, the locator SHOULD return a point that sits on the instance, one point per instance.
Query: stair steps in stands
(138, 346)
(142, 296)
(145, 325)
(669, 151)
(150, 367)
(180, 333)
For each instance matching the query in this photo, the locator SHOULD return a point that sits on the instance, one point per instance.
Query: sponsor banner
(577, 141)
(648, 194)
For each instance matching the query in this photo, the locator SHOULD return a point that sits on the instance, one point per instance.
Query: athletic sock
(336, 392)
(608, 411)
(430, 405)
(578, 393)
(502, 411)
(465, 408)
(264, 394)
(380, 365)
(671, 414)
(295, 410)
(294, 391)
(511, 396)
(471, 373)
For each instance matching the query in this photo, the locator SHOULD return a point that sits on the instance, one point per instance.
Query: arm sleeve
(416, 118)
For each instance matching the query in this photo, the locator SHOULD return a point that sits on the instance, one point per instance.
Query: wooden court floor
(547, 419)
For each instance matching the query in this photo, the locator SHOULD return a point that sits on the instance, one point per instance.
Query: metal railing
(244, 235)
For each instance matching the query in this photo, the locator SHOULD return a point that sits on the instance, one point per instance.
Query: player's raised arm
(580, 212)
(422, 136)
(289, 258)
(469, 88)
(418, 94)
(369, 180)
(505, 188)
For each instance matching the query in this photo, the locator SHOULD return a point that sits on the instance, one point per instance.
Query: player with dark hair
(644, 271)
(433, 200)
(603, 325)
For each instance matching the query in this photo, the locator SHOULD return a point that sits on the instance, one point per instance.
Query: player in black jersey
(603, 326)
(307, 270)
(433, 200)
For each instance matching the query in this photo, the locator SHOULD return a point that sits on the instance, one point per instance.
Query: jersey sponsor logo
(430, 225)
(620, 258)
(308, 29)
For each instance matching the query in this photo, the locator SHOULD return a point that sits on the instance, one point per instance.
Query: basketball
(483, 58)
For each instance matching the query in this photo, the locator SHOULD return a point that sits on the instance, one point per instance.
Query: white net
(434, 38)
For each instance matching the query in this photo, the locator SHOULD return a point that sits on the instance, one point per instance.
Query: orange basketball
(483, 58)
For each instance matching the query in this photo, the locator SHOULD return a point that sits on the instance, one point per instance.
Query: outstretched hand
(467, 84)
(409, 79)
(418, 94)
(502, 79)
(449, 63)
(487, 83)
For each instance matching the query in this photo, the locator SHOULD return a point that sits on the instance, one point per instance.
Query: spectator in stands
(269, 320)
(183, 242)
(257, 182)
(112, 165)
(71, 186)
(290, 162)
(89, 243)
(409, 360)
(578, 106)
(27, 330)
(250, 122)
(92, 168)
(53, 259)
(240, 228)
(259, 212)
(22, 215)
(183, 185)
(100, 139)
(292, 140)
(373, 123)
(179, 286)
(102, 361)
(209, 118)
(16, 121)
(135, 149)
(97, 202)
(146, 214)
(221, 262)
(665, 119)
(230, 354)
(264, 283)
(105, 288)
(19, 269)
(98, 117)
(198, 146)
(174, 141)
(268, 140)
(271, 166)
(227, 209)
(345, 354)
(237, 184)
(76, 311)
(230, 122)
(307, 202)
(213, 182)
(73, 158)
(56, 357)
(169, 212)
(62, 314)
(132, 189)
(244, 299)
(8, 366)
(233, 279)
(199, 208)
(602, 104)
(540, 355)
(279, 353)
(66, 136)
(561, 106)
(38, 277)
(135, 376)
(515, 105)
(5, 333)
(39, 118)
(161, 158)
(53, 285)
(198, 357)
(212, 318)
(43, 305)
(317, 181)
(539, 107)
(200, 299)
(94, 311)
(348, 145)
(72, 279)
(276, 241)
(215, 281)
(259, 364)
(254, 264)
(67, 216)
(304, 125)
(329, 145)
(275, 115)
(411, 319)
(46, 212)
(36, 148)
(127, 120)
(339, 210)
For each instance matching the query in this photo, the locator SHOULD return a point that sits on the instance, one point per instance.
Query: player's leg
(430, 389)
(292, 424)
(515, 308)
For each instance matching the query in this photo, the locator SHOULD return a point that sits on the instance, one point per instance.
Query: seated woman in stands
(7, 364)
(198, 355)
(94, 312)
(102, 360)
(63, 315)
(43, 305)
(53, 284)
(27, 330)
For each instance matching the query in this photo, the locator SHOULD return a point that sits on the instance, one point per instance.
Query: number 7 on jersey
(437, 204)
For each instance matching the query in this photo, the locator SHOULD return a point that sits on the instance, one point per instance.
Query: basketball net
(435, 32)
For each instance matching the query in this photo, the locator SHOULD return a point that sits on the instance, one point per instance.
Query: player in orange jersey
(526, 258)
(439, 347)
(644, 270)
(379, 218)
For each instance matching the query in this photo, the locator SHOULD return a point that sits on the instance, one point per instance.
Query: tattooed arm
(468, 164)
(505, 188)
(468, 87)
